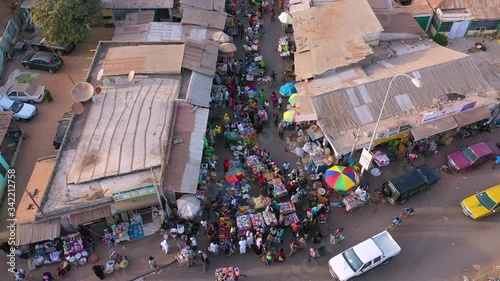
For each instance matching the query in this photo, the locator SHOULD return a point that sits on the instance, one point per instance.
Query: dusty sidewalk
(137, 252)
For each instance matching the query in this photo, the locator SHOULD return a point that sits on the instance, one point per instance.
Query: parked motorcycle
(481, 45)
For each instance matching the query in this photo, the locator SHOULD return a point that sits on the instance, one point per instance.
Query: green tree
(65, 21)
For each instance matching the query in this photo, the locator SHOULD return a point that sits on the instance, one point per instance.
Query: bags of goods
(244, 223)
(270, 219)
(280, 191)
(289, 219)
(261, 202)
(257, 219)
(287, 208)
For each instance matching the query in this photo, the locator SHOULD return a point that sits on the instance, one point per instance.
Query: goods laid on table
(283, 47)
(257, 220)
(261, 202)
(227, 273)
(289, 219)
(244, 223)
(73, 249)
(287, 208)
(355, 200)
(185, 257)
(270, 219)
(280, 191)
(381, 159)
(45, 253)
(225, 224)
(119, 232)
(254, 164)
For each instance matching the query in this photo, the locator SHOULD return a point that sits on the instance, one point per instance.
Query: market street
(438, 243)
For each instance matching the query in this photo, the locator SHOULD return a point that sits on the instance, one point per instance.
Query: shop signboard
(366, 159)
(134, 193)
(447, 112)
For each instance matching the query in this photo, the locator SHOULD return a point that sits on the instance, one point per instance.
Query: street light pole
(415, 82)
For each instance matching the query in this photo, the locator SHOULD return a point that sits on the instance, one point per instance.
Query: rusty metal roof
(125, 131)
(331, 36)
(353, 107)
(137, 4)
(182, 170)
(204, 18)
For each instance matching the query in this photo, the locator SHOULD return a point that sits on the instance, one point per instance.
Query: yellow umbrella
(289, 116)
(293, 99)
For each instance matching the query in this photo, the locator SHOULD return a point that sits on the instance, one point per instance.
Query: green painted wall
(423, 22)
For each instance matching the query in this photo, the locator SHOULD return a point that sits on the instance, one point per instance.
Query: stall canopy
(90, 215)
(28, 233)
(188, 206)
(473, 115)
(433, 128)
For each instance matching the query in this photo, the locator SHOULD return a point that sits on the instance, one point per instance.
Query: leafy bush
(24, 78)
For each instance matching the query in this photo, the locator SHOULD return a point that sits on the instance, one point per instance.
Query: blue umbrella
(288, 89)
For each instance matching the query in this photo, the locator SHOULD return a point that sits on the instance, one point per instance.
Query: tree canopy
(65, 21)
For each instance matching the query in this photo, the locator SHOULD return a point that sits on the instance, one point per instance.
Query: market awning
(27, 233)
(433, 128)
(90, 215)
(473, 115)
(137, 203)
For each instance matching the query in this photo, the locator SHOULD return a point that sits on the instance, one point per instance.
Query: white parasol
(221, 37)
(285, 18)
(227, 48)
(188, 206)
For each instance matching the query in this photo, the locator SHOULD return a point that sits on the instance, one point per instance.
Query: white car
(366, 255)
(20, 110)
(24, 92)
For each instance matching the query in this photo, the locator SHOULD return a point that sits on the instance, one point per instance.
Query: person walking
(497, 162)
(243, 245)
(164, 246)
(281, 131)
(274, 99)
(312, 254)
(280, 103)
(273, 74)
(204, 259)
(153, 264)
(262, 97)
(276, 119)
(286, 168)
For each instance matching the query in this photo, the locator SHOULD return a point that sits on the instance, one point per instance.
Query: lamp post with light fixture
(415, 82)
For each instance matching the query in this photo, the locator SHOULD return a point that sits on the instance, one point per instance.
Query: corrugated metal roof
(204, 18)
(199, 89)
(137, 4)
(139, 17)
(131, 33)
(90, 215)
(174, 31)
(317, 31)
(125, 132)
(335, 109)
(201, 56)
(144, 59)
(27, 233)
(209, 5)
(37, 186)
(399, 23)
(484, 9)
(181, 172)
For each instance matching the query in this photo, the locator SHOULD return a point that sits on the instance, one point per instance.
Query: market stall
(257, 220)
(261, 202)
(270, 218)
(45, 253)
(120, 232)
(283, 47)
(280, 191)
(355, 200)
(244, 223)
(227, 273)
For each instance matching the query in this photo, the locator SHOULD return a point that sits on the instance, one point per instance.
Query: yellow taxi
(483, 203)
